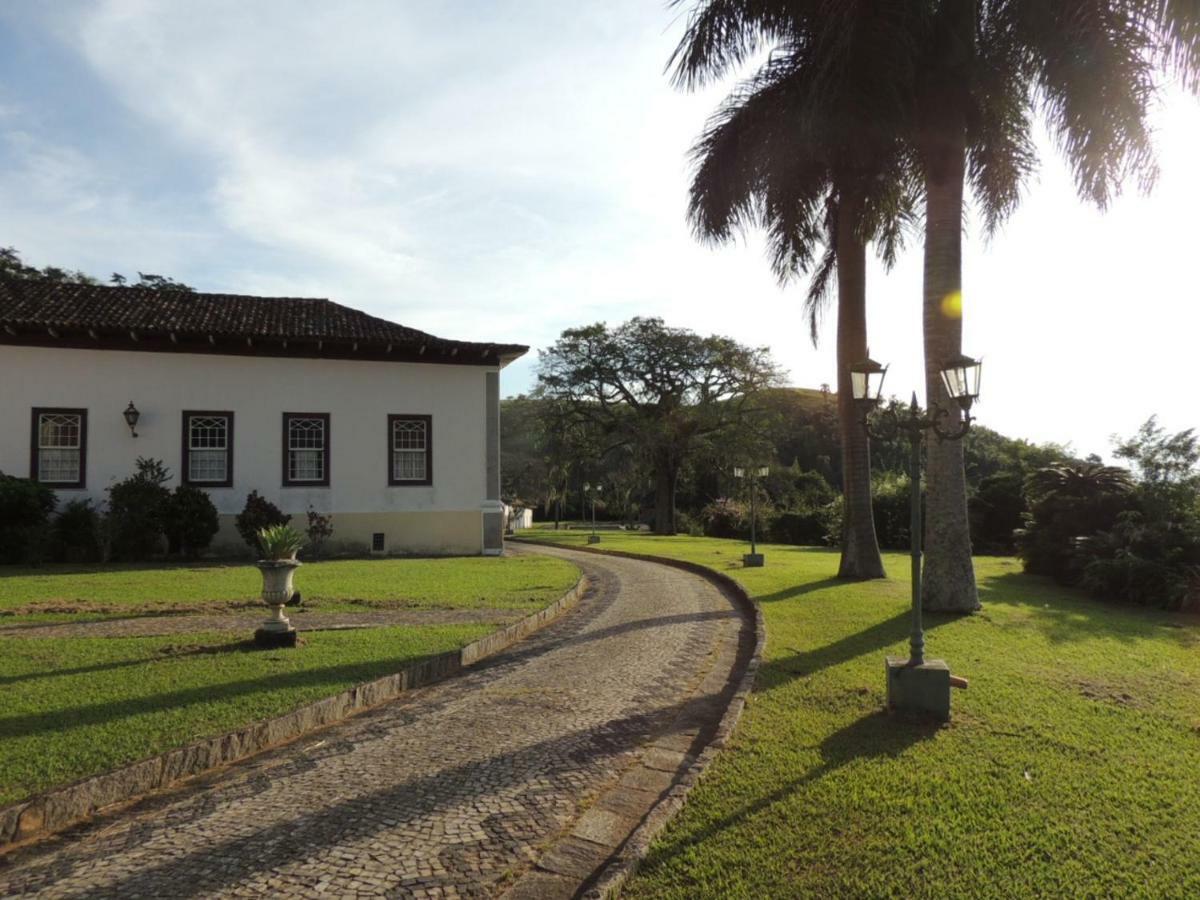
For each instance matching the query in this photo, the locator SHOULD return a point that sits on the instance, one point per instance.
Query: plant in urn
(279, 544)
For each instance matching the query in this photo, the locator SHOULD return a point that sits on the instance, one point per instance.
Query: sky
(502, 171)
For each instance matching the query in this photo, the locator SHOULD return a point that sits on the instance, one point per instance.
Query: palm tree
(961, 82)
(811, 156)
(1089, 67)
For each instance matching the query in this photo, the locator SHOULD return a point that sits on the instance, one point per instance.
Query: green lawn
(78, 706)
(1071, 767)
(65, 592)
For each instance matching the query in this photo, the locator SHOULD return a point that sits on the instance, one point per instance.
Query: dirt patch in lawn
(126, 610)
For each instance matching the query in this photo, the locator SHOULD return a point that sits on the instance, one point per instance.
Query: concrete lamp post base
(593, 538)
(753, 560)
(922, 690)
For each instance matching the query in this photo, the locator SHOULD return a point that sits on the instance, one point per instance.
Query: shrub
(1131, 579)
(76, 533)
(807, 527)
(728, 518)
(1068, 503)
(725, 518)
(25, 508)
(191, 520)
(892, 504)
(686, 524)
(137, 510)
(997, 512)
(319, 530)
(257, 514)
(835, 523)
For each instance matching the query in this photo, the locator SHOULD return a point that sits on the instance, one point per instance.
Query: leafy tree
(12, 266)
(661, 392)
(1151, 554)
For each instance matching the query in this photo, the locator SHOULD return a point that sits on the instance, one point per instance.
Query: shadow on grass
(799, 590)
(874, 639)
(1066, 614)
(359, 814)
(239, 647)
(874, 736)
(73, 717)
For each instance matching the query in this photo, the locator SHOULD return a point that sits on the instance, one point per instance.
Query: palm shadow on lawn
(874, 736)
(82, 716)
(351, 817)
(208, 650)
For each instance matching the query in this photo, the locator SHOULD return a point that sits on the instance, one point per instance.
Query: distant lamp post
(593, 492)
(753, 559)
(131, 418)
(917, 684)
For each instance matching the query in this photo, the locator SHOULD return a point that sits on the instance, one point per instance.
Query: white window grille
(208, 448)
(60, 448)
(306, 448)
(410, 449)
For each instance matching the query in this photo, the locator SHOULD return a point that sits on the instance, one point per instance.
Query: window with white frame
(409, 446)
(208, 448)
(306, 449)
(59, 451)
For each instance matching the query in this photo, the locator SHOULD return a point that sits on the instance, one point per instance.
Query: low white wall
(359, 396)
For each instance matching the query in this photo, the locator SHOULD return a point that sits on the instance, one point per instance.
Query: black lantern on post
(753, 559)
(131, 418)
(917, 684)
(866, 381)
(960, 377)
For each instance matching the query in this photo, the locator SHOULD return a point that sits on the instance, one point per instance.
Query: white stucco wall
(358, 395)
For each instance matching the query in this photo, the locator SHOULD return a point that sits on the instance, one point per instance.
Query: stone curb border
(611, 877)
(59, 808)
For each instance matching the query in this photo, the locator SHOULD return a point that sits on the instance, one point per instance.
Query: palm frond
(722, 35)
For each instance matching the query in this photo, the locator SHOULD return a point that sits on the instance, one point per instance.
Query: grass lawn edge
(57, 808)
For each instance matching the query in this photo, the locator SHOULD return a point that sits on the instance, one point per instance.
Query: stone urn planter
(279, 545)
(276, 592)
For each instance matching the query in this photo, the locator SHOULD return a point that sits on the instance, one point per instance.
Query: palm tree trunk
(860, 548)
(949, 578)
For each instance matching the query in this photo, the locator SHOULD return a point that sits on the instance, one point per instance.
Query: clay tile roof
(37, 304)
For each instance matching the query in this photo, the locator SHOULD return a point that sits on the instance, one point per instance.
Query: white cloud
(506, 170)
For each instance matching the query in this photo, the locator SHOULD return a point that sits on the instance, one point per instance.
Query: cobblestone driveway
(455, 790)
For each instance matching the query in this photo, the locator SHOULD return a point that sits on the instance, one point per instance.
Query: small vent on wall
(377, 542)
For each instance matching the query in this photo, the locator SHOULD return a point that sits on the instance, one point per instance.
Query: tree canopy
(660, 392)
(12, 266)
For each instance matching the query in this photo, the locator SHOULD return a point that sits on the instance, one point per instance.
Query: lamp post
(592, 490)
(753, 559)
(917, 684)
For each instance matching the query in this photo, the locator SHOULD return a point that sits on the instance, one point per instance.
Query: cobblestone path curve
(455, 790)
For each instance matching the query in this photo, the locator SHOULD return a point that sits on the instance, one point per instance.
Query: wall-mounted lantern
(131, 418)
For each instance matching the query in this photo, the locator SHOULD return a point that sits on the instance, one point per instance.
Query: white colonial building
(392, 431)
